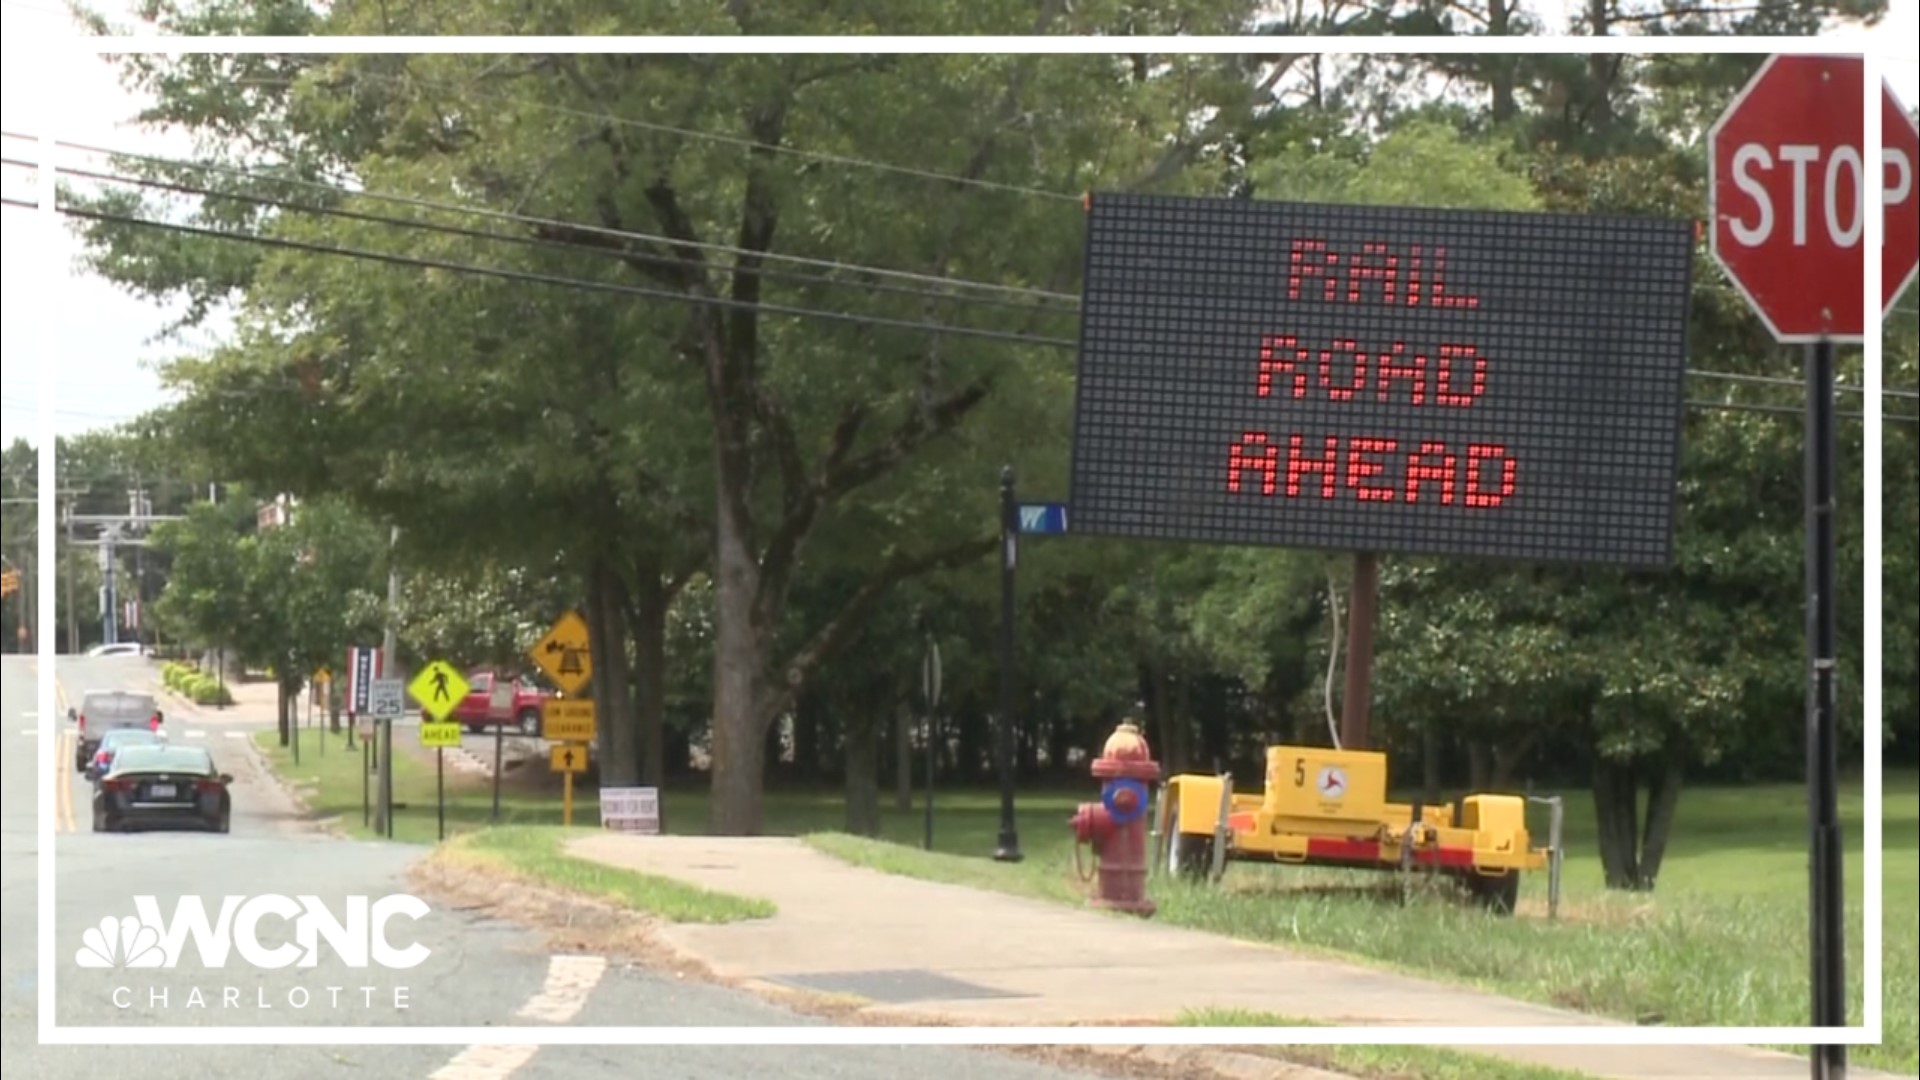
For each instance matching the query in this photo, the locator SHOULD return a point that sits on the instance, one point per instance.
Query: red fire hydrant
(1116, 826)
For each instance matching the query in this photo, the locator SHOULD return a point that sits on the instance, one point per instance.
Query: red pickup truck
(475, 711)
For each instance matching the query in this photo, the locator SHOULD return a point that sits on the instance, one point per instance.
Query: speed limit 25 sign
(1790, 193)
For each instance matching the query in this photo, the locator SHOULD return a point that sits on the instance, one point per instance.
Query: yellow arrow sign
(438, 688)
(564, 654)
(567, 758)
(432, 735)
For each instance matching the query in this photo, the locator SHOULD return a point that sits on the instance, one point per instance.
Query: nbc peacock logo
(120, 943)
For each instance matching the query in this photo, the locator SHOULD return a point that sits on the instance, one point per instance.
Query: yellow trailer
(1325, 807)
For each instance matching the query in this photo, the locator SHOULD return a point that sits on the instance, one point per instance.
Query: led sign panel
(1381, 379)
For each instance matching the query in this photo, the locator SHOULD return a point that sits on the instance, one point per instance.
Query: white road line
(485, 1063)
(29, 731)
(570, 979)
(196, 734)
(236, 734)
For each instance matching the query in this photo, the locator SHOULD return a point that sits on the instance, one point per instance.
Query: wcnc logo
(149, 940)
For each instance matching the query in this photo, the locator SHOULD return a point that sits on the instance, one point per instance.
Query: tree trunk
(1662, 801)
(651, 602)
(1060, 743)
(807, 740)
(1616, 813)
(1479, 765)
(283, 710)
(1502, 68)
(968, 740)
(739, 658)
(860, 738)
(903, 757)
(1430, 757)
(619, 764)
(1507, 760)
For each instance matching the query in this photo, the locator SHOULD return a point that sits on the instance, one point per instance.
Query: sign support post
(366, 772)
(930, 690)
(499, 754)
(1008, 849)
(1827, 887)
(440, 786)
(1793, 250)
(566, 799)
(386, 774)
(1356, 704)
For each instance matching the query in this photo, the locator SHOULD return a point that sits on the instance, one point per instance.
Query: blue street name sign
(1043, 519)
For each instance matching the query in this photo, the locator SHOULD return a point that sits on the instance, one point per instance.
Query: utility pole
(390, 662)
(115, 531)
(71, 495)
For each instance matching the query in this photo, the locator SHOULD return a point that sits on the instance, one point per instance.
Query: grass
(529, 843)
(537, 853)
(1376, 1062)
(1722, 942)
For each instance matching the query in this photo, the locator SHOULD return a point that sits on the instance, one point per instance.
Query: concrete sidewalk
(958, 955)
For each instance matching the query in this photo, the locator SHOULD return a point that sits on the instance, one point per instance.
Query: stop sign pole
(1790, 197)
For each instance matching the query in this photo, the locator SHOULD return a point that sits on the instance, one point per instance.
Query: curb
(330, 827)
(514, 899)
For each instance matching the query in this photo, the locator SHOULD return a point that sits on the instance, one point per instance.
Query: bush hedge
(195, 685)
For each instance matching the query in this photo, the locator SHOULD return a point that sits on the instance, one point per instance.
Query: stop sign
(1788, 187)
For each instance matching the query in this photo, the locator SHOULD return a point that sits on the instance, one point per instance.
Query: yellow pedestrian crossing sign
(439, 688)
(564, 654)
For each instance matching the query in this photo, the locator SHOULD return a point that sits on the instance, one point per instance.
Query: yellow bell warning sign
(564, 654)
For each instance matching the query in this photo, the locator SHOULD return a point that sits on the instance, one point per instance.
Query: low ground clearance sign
(1381, 379)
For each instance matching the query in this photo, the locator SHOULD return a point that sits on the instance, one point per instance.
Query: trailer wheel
(1188, 856)
(1499, 894)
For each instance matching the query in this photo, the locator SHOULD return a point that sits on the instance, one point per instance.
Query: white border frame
(1870, 1032)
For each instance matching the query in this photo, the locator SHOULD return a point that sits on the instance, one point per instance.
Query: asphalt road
(478, 971)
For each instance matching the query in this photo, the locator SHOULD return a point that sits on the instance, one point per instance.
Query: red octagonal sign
(1787, 183)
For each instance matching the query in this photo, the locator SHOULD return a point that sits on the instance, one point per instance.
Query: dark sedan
(162, 786)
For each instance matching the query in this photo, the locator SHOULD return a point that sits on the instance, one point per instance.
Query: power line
(547, 243)
(529, 277)
(413, 80)
(554, 223)
(1776, 380)
(1791, 410)
(605, 286)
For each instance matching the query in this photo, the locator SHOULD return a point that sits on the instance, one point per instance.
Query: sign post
(570, 725)
(440, 735)
(1008, 848)
(1790, 200)
(930, 692)
(499, 710)
(566, 655)
(567, 759)
(439, 688)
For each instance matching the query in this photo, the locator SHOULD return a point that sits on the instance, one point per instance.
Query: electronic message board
(1381, 379)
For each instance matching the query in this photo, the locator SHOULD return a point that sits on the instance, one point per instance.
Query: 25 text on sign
(1382, 379)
